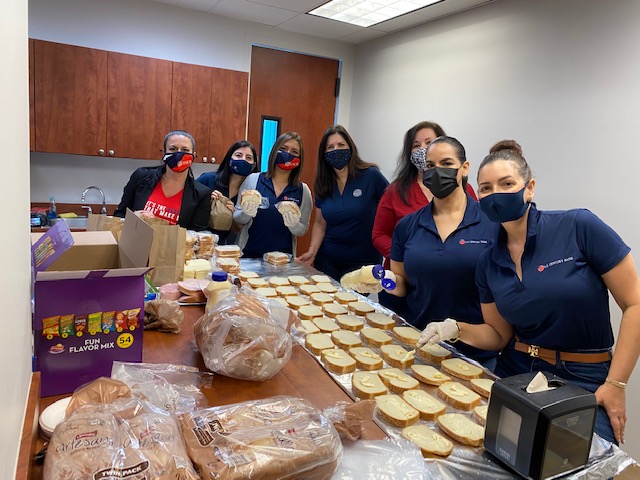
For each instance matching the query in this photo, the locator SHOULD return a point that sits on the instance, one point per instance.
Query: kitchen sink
(75, 222)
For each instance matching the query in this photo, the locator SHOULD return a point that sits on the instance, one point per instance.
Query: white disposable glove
(250, 207)
(439, 332)
(290, 219)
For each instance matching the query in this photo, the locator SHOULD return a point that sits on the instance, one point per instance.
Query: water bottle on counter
(52, 208)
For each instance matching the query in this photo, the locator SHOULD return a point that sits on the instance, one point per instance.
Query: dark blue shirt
(562, 302)
(209, 179)
(268, 232)
(350, 218)
(226, 237)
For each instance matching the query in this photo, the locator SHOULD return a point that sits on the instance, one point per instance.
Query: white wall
(154, 30)
(15, 354)
(562, 78)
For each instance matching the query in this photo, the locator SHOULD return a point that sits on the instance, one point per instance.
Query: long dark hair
(294, 175)
(223, 175)
(406, 172)
(326, 182)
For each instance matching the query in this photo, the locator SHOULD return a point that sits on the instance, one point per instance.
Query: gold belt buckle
(533, 350)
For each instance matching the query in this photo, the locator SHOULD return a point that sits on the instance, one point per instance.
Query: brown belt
(552, 356)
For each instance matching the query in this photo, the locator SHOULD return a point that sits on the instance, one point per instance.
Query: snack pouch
(94, 321)
(121, 320)
(133, 320)
(66, 325)
(51, 326)
(108, 321)
(80, 324)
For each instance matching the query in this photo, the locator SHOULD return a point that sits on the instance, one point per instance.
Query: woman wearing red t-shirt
(405, 195)
(169, 190)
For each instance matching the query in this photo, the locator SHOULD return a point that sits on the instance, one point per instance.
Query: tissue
(539, 384)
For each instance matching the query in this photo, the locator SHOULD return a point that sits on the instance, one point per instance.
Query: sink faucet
(93, 187)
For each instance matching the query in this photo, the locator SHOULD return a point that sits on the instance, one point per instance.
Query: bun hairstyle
(508, 150)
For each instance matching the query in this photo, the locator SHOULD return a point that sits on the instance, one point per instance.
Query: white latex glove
(250, 207)
(290, 219)
(439, 332)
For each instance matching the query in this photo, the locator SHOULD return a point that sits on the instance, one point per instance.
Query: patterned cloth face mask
(419, 158)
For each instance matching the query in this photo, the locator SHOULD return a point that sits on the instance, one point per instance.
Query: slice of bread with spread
(333, 309)
(482, 385)
(338, 361)
(325, 324)
(380, 320)
(367, 385)
(460, 368)
(396, 356)
(397, 381)
(429, 375)
(430, 442)
(480, 413)
(432, 352)
(462, 429)
(350, 322)
(407, 335)
(346, 339)
(316, 342)
(429, 407)
(375, 336)
(366, 359)
(458, 396)
(395, 411)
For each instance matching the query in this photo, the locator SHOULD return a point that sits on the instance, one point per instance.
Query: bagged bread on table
(206, 244)
(245, 336)
(163, 315)
(277, 438)
(127, 438)
(191, 245)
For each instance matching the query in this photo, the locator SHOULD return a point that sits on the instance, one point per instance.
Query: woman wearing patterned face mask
(544, 288)
(239, 162)
(347, 191)
(405, 195)
(274, 207)
(169, 190)
(435, 250)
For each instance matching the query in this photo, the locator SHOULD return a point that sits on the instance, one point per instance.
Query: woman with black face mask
(347, 191)
(434, 251)
(169, 190)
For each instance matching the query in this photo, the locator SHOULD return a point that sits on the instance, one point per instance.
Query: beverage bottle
(52, 208)
(217, 289)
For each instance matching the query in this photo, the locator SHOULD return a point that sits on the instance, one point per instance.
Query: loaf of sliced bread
(257, 282)
(308, 289)
(395, 411)
(458, 396)
(460, 368)
(396, 356)
(482, 386)
(326, 287)
(295, 301)
(297, 280)
(307, 326)
(317, 342)
(429, 375)
(268, 292)
(462, 429)
(325, 324)
(307, 312)
(432, 352)
(346, 339)
(397, 381)
(480, 413)
(366, 359)
(338, 361)
(320, 298)
(367, 385)
(278, 282)
(345, 297)
(431, 443)
(320, 279)
(407, 335)
(380, 320)
(350, 322)
(375, 336)
(286, 291)
(429, 407)
(333, 309)
(360, 308)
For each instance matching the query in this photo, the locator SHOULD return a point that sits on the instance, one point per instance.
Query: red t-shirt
(162, 207)
(392, 209)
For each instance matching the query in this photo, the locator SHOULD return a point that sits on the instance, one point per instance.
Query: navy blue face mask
(504, 207)
(338, 159)
(240, 167)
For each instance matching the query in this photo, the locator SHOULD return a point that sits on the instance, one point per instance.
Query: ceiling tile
(448, 7)
(363, 35)
(251, 12)
(400, 23)
(200, 5)
(319, 27)
(300, 6)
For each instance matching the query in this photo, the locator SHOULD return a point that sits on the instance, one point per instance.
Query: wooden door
(191, 105)
(70, 101)
(229, 92)
(32, 88)
(299, 89)
(139, 106)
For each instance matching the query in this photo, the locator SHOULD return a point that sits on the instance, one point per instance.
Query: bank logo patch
(462, 241)
(543, 267)
(357, 193)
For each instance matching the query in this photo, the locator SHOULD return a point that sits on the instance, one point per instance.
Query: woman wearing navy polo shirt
(544, 291)
(347, 191)
(264, 229)
(434, 251)
(238, 163)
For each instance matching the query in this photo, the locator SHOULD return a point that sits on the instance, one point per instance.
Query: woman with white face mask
(169, 191)
(435, 250)
(544, 288)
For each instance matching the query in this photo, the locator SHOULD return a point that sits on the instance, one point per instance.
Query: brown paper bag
(104, 223)
(221, 217)
(167, 253)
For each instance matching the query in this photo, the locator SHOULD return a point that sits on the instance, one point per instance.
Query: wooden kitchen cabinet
(93, 102)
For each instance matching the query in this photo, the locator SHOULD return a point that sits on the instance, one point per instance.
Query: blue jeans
(585, 375)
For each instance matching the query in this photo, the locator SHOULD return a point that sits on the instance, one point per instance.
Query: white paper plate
(53, 415)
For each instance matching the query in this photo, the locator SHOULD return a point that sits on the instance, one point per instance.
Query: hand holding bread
(250, 201)
(290, 212)
(447, 330)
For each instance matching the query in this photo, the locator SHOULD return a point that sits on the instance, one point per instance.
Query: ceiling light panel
(365, 13)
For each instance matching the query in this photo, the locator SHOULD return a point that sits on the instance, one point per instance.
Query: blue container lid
(219, 276)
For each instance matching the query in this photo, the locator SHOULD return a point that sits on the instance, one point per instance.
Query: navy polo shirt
(268, 232)
(562, 302)
(441, 274)
(350, 218)
(209, 179)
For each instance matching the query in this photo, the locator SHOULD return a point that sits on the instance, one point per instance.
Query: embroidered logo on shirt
(542, 268)
(290, 199)
(357, 193)
(472, 242)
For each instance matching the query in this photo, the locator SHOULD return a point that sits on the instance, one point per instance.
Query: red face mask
(286, 160)
(178, 161)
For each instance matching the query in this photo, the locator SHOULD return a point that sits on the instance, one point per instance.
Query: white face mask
(419, 159)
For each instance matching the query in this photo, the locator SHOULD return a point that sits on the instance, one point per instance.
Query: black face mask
(441, 181)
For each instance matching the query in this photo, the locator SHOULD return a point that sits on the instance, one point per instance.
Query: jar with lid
(217, 289)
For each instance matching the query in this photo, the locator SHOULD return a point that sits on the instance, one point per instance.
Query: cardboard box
(88, 302)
